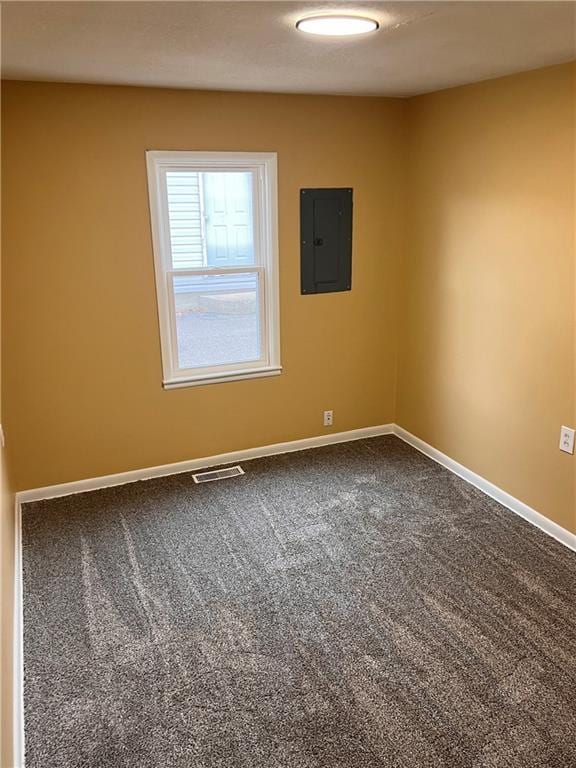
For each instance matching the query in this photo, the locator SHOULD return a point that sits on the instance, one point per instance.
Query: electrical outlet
(328, 418)
(567, 439)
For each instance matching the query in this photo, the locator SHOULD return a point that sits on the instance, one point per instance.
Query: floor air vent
(217, 474)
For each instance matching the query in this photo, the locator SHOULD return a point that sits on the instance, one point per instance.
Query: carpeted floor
(354, 606)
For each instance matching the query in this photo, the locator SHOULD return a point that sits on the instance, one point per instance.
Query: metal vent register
(217, 474)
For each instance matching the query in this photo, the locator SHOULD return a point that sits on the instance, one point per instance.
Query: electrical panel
(325, 240)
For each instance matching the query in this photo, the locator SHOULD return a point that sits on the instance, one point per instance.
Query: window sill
(212, 378)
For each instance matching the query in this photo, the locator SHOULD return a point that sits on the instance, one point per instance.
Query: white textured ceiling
(420, 47)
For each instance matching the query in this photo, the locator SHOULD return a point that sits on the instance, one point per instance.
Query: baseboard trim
(510, 502)
(18, 646)
(133, 476)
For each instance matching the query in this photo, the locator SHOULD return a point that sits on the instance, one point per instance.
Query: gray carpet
(354, 606)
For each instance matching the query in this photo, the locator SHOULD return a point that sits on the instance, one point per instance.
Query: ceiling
(420, 47)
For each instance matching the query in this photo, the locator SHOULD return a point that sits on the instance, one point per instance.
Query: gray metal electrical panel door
(325, 240)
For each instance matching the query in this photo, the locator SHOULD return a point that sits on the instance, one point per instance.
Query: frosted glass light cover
(337, 26)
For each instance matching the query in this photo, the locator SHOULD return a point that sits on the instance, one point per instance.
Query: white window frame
(265, 204)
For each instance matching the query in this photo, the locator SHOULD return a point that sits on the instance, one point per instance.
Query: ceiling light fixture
(337, 26)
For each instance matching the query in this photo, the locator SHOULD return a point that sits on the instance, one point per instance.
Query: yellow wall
(83, 382)
(6, 603)
(486, 331)
(487, 351)
(480, 303)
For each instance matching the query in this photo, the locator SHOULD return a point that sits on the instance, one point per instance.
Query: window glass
(217, 319)
(211, 218)
(214, 231)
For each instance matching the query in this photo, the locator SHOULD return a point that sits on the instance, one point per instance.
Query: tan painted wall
(486, 370)
(6, 601)
(83, 383)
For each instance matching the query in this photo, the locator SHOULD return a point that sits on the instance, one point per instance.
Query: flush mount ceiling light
(337, 26)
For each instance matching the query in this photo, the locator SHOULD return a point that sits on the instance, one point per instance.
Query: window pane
(184, 213)
(211, 218)
(217, 319)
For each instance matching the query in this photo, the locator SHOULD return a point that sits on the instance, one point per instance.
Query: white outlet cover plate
(567, 439)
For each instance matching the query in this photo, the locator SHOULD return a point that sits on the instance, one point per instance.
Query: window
(216, 257)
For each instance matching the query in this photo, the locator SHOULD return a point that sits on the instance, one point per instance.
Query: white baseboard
(81, 486)
(94, 483)
(17, 647)
(508, 501)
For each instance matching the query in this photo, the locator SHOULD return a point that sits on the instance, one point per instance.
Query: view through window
(215, 253)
